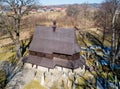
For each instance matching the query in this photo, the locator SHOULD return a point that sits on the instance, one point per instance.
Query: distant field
(62, 19)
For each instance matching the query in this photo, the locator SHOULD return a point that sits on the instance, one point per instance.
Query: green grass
(93, 38)
(34, 84)
(7, 48)
(60, 84)
(6, 56)
(2, 79)
(82, 81)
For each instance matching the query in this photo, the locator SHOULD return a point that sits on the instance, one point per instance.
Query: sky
(58, 2)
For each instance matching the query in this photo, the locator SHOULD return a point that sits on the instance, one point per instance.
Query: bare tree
(73, 12)
(103, 19)
(18, 9)
(115, 5)
(109, 16)
(106, 20)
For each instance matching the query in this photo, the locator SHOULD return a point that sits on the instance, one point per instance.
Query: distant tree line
(80, 14)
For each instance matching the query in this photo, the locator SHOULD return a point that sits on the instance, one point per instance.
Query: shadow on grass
(94, 40)
(24, 46)
(2, 79)
(88, 84)
(11, 67)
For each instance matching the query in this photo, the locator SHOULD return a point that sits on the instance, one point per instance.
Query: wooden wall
(50, 56)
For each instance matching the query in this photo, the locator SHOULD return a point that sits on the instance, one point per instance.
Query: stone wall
(57, 68)
(57, 77)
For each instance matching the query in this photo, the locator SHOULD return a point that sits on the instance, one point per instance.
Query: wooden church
(52, 46)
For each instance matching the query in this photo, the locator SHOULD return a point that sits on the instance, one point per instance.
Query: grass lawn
(34, 84)
(93, 37)
(6, 54)
(2, 79)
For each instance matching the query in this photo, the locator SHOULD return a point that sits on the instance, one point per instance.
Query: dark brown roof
(61, 41)
(51, 63)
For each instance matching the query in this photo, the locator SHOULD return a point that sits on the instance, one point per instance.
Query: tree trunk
(113, 41)
(118, 45)
(117, 53)
(17, 42)
(103, 37)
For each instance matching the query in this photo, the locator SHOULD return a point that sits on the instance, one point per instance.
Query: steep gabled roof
(61, 41)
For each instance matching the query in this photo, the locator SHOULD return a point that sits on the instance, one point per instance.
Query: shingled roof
(61, 41)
